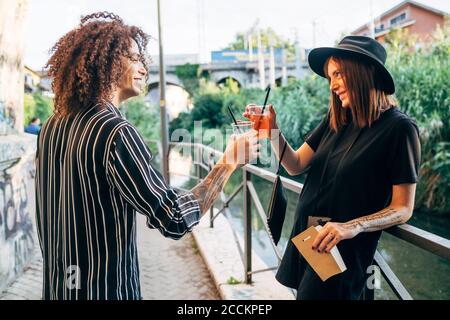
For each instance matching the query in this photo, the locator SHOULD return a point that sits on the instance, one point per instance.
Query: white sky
(48, 20)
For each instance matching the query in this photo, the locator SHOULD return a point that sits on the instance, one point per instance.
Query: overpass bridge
(243, 72)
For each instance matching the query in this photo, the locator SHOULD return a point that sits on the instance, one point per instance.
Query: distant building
(243, 55)
(419, 19)
(45, 85)
(37, 81)
(31, 79)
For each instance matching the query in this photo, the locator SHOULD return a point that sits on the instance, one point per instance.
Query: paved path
(170, 270)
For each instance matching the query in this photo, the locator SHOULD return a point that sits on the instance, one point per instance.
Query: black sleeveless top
(351, 175)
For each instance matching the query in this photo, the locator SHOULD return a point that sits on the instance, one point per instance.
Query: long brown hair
(367, 99)
(88, 61)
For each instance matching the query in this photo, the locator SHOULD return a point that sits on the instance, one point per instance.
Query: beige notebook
(324, 264)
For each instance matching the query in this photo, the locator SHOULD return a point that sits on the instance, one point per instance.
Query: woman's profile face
(337, 84)
(133, 79)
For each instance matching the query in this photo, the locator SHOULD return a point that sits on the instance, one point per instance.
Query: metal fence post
(247, 228)
(211, 210)
(197, 159)
(163, 104)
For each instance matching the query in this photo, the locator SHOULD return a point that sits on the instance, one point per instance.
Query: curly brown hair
(87, 62)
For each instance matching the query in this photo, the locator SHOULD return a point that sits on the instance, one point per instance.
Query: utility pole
(162, 104)
(250, 46)
(314, 24)
(262, 74)
(372, 21)
(250, 35)
(298, 58)
(271, 63)
(201, 31)
(284, 81)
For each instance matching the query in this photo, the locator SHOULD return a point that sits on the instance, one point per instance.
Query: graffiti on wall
(16, 227)
(7, 118)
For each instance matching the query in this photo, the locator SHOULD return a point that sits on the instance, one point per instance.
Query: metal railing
(420, 238)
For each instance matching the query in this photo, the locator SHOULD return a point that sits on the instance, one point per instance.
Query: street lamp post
(162, 103)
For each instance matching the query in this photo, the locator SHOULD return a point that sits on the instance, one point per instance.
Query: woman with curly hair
(94, 171)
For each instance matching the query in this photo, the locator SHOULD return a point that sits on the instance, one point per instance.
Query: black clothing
(93, 175)
(351, 175)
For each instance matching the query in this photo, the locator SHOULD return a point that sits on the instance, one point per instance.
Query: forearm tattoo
(380, 220)
(207, 191)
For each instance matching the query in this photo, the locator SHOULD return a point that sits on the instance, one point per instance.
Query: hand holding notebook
(324, 264)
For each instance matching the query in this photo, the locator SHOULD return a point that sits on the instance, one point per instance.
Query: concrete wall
(17, 150)
(17, 205)
(12, 34)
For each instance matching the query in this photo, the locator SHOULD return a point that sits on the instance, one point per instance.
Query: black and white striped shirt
(93, 175)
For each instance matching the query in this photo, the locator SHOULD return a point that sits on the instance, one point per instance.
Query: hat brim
(317, 58)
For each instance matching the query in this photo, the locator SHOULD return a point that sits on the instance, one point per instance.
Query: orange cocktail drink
(260, 121)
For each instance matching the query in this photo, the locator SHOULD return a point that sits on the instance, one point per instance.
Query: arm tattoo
(207, 191)
(380, 220)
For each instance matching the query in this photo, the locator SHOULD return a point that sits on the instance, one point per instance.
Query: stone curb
(219, 250)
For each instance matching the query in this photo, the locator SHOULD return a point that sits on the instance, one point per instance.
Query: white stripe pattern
(93, 175)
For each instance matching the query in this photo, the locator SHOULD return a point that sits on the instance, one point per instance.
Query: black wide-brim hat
(359, 48)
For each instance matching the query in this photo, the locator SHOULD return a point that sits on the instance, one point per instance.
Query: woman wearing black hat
(363, 161)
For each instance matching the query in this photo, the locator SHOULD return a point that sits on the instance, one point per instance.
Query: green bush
(37, 105)
(188, 74)
(145, 118)
(300, 106)
(208, 109)
(422, 77)
(29, 108)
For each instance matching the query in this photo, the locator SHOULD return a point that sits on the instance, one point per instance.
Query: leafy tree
(189, 76)
(44, 106)
(37, 105)
(208, 108)
(145, 118)
(29, 107)
(268, 36)
(422, 75)
(300, 106)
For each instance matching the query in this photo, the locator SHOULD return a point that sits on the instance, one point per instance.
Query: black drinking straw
(234, 119)
(265, 100)
(264, 105)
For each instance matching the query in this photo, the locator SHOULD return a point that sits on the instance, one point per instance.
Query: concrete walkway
(220, 252)
(170, 270)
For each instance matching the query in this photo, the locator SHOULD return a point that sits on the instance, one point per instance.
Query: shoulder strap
(281, 157)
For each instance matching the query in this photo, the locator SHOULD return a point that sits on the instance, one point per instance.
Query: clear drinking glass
(241, 127)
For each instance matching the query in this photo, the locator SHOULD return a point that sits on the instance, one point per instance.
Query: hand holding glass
(261, 122)
(243, 148)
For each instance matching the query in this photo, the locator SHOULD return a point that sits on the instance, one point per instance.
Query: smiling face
(133, 79)
(337, 83)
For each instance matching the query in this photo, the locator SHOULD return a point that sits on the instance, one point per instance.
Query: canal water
(424, 275)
